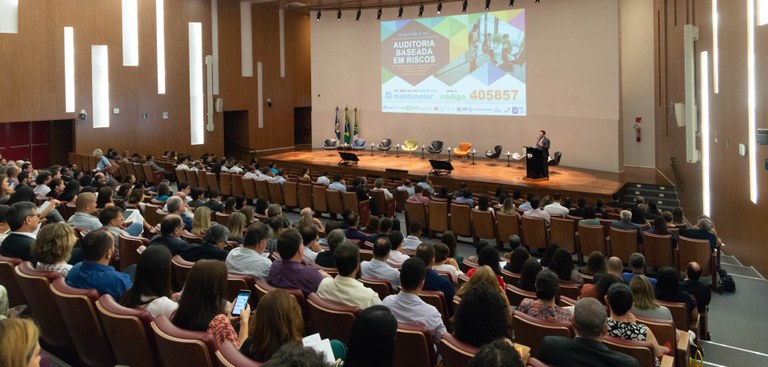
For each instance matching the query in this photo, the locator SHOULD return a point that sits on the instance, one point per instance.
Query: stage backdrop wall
(573, 83)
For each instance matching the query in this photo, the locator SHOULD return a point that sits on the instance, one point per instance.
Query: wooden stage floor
(482, 175)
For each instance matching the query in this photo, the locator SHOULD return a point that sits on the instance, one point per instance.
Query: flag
(346, 125)
(338, 125)
(356, 131)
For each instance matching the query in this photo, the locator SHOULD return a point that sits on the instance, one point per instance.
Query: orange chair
(462, 150)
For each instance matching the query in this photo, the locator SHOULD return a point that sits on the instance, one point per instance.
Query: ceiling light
(464, 6)
(338, 15)
(319, 14)
(359, 12)
(378, 14)
(400, 12)
(439, 7)
(487, 4)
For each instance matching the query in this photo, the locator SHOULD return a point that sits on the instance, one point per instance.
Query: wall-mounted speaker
(219, 106)
(762, 136)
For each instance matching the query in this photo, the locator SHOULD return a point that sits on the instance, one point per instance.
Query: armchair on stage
(358, 144)
(462, 150)
(385, 145)
(435, 148)
(494, 154)
(410, 146)
(536, 164)
(330, 144)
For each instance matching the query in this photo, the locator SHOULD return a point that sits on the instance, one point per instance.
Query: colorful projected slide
(468, 64)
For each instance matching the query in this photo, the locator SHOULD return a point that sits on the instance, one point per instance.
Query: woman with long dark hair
(151, 290)
(372, 341)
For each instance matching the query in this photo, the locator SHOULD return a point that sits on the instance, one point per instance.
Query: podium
(536, 164)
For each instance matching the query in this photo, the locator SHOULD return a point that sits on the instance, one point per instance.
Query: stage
(484, 175)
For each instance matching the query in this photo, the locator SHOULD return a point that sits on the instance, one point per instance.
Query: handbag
(697, 360)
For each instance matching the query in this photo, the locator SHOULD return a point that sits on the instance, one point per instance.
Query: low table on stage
(536, 164)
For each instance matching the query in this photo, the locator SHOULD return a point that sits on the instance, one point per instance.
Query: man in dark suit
(694, 287)
(171, 228)
(22, 219)
(587, 349)
(543, 142)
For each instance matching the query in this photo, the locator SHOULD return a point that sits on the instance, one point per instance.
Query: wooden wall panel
(739, 222)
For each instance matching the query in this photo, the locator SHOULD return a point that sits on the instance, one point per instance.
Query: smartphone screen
(241, 301)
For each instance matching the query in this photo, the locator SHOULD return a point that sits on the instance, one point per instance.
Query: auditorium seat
(535, 234)
(319, 199)
(275, 190)
(591, 238)
(665, 333)
(213, 184)
(249, 188)
(460, 220)
(335, 204)
(416, 213)
(381, 286)
(333, 320)
(623, 243)
(225, 183)
(410, 146)
(517, 295)
(358, 144)
(466, 265)
(484, 226)
(530, 330)
(494, 154)
(436, 299)
(180, 347)
(570, 289)
(191, 238)
(462, 150)
(78, 309)
(290, 195)
(128, 247)
(179, 270)
(563, 233)
(436, 147)
(642, 351)
(129, 333)
(229, 356)
(437, 217)
(8, 279)
(510, 277)
(455, 352)
(384, 207)
(414, 346)
(658, 251)
(35, 285)
(237, 186)
(401, 196)
(262, 190)
(236, 282)
(700, 251)
(385, 145)
(506, 226)
(304, 195)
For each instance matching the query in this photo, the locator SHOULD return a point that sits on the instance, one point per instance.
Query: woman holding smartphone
(203, 305)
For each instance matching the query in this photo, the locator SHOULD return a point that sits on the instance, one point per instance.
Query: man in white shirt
(43, 179)
(407, 186)
(344, 288)
(378, 268)
(250, 259)
(323, 180)
(278, 177)
(556, 209)
(311, 247)
(235, 169)
(412, 241)
(395, 256)
(536, 212)
(408, 307)
(337, 184)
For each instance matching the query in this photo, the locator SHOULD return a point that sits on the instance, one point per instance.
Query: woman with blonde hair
(644, 300)
(53, 247)
(483, 274)
(306, 219)
(201, 220)
(277, 322)
(19, 346)
(249, 212)
(236, 226)
(508, 207)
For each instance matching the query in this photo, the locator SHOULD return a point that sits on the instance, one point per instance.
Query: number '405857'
(494, 94)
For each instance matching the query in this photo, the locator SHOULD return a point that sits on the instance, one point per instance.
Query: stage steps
(665, 196)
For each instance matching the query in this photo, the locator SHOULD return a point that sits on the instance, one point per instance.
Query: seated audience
(660, 228)
(668, 290)
(432, 280)
(508, 207)
(644, 302)
(151, 290)
(372, 227)
(334, 239)
(177, 205)
(251, 258)
(556, 209)
(83, 218)
(344, 288)
(22, 220)
(306, 218)
(695, 288)
(290, 271)
(449, 239)
(445, 263)
(622, 324)
(589, 217)
(171, 228)
(679, 220)
(490, 257)
(637, 262)
(311, 246)
(19, 343)
(536, 212)
(378, 185)
(352, 232)
(465, 198)
(372, 340)
(581, 204)
(483, 274)
(413, 240)
(408, 187)
(377, 267)
(113, 222)
(408, 307)
(203, 305)
(497, 353)
(277, 322)
(626, 223)
(53, 248)
(517, 259)
(385, 226)
(94, 271)
(703, 231)
(337, 184)
(587, 349)
(545, 306)
(595, 264)
(236, 226)
(201, 221)
(397, 256)
(212, 247)
(418, 196)
(214, 201)
(562, 265)
(531, 268)
(482, 316)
